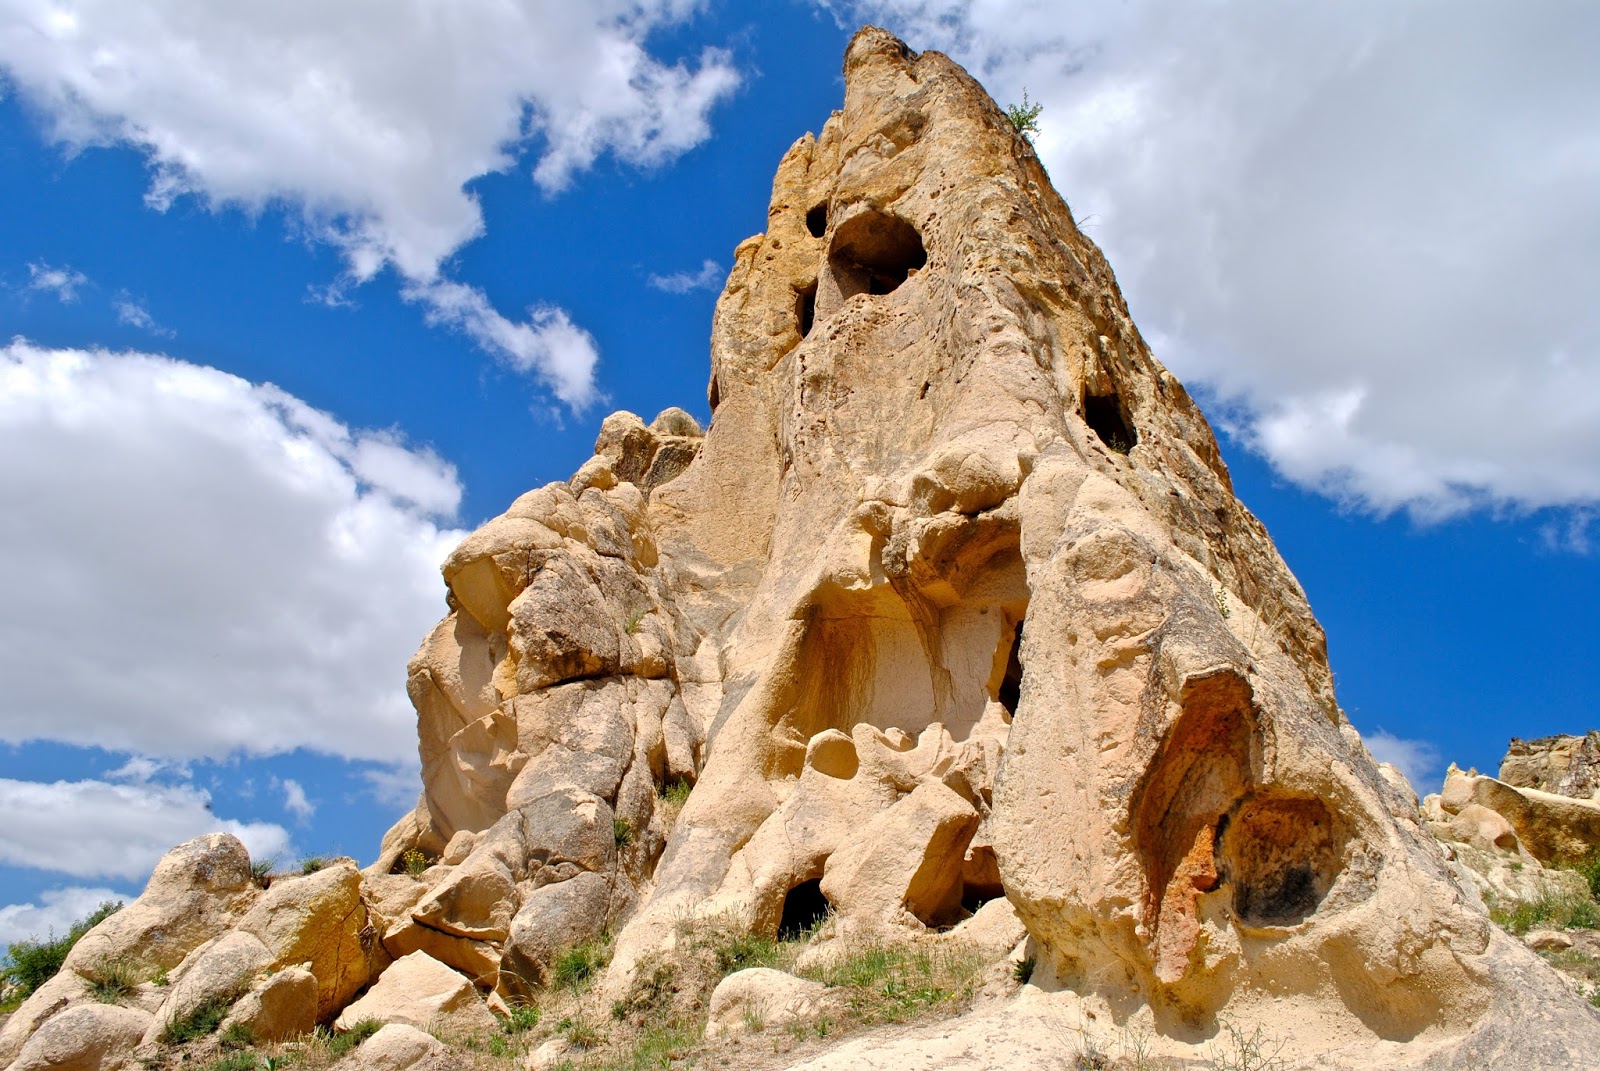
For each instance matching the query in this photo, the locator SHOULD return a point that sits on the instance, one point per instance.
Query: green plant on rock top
(111, 981)
(261, 870)
(313, 863)
(1024, 117)
(414, 861)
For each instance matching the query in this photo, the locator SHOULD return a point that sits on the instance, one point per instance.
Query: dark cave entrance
(805, 308)
(817, 220)
(1103, 413)
(873, 253)
(803, 908)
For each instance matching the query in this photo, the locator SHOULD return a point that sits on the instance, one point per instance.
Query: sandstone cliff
(951, 605)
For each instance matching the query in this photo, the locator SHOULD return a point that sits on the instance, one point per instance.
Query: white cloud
(1371, 229)
(709, 277)
(368, 118)
(134, 314)
(196, 566)
(95, 829)
(1417, 759)
(396, 785)
(55, 915)
(62, 282)
(294, 799)
(549, 344)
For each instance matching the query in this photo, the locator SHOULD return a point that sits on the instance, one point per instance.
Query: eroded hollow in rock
(1103, 413)
(1281, 855)
(1006, 679)
(906, 657)
(803, 907)
(874, 252)
(817, 220)
(805, 308)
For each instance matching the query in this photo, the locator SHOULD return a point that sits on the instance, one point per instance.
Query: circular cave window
(874, 252)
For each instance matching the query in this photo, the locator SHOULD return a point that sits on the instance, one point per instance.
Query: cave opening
(817, 220)
(804, 907)
(1010, 691)
(1103, 413)
(874, 252)
(805, 307)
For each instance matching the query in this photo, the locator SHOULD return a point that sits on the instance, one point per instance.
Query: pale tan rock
(86, 1037)
(318, 920)
(759, 997)
(1547, 940)
(1554, 829)
(420, 991)
(279, 1006)
(1563, 765)
(219, 970)
(57, 994)
(196, 891)
(907, 859)
(396, 1047)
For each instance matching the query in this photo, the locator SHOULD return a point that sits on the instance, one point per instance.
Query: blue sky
(293, 304)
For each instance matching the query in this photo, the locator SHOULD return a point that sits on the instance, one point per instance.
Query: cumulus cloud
(1417, 759)
(197, 566)
(368, 119)
(96, 829)
(709, 277)
(55, 914)
(1371, 232)
(62, 283)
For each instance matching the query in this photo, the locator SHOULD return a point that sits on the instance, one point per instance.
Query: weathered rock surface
(420, 991)
(86, 1037)
(1561, 765)
(760, 997)
(396, 1047)
(951, 601)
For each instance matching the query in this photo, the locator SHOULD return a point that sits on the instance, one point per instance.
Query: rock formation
(1563, 765)
(952, 601)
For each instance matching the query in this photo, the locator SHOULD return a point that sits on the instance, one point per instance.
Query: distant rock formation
(952, 602)
(1564, 765)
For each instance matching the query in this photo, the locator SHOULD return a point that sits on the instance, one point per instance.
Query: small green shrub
(1235, 1050)
(1550, 911)
(523, 1017)
(676, 791)
(111, 981)
(261, 870)
(313, 863)
(1022, 970)
(893, 983)
(341, 1044)
(631, 626)
(32, 962)
(574, 968)
(1024, 117)
(580, 1032)
(414, 861)
(202, 1022)
(237, 1061)
(622, 832)
(237, 1036)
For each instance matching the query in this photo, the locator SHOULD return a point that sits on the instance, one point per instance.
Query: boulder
(759, 997)
(1554, 829)
(277, 1007)
(420, 991)
(86, 1037)
(318, 920)
(908, 858)
(396, 1047)
(220, 970)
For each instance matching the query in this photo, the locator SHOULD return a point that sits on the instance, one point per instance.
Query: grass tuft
(202, 1022)
(112, 980)
(577, 966)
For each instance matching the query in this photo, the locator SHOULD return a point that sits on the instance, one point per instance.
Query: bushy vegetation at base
(32, 962)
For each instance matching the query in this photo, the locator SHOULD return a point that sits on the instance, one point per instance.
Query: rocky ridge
(949, 628)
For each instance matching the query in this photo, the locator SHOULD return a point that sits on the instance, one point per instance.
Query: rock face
(1561, 765)
(952, 601)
